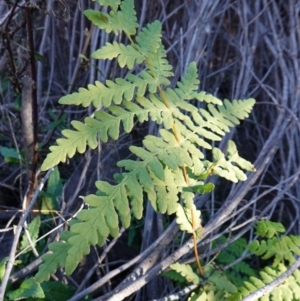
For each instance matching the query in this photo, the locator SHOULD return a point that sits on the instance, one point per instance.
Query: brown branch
(31, 103)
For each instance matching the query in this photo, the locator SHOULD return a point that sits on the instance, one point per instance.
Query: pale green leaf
(187, 87)
(150, 159)
(109, 51)
(54, 259)
(227, 168)
(208, 98)
(220, 118)
(28, 288)
(33, 231)
(127, 55)
(74, 141)
(206, 188)
(98, 221)
(123, 19)
(97, 18)
(184, 215)
(233, 156)
(186, 271)
(159, 66)
(265, 228)
(100, 94)
(152, 32)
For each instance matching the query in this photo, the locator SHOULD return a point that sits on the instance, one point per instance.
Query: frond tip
(127, 55)
(123, 19)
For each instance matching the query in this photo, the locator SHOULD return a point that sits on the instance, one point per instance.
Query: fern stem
(131, 41)
(174, 129)
(186, 178)
(163, 97)
(195, 245)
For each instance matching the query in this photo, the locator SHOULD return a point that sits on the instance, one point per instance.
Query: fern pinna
(171, 166)
(242, 280)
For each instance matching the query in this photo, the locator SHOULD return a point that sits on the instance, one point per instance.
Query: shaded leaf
(28, 288)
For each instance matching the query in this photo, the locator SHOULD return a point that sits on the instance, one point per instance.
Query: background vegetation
(242, 50)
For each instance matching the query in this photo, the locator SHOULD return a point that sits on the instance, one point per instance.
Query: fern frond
(227, 168)
(95, 224)
(152, 32)
(127, 55)
(126, 18)
(189, 84)
(186, 271)
(238, 273)
(232, 251)
(220, 119)
(74, 141)
(101, 219)
(281, 249)
(122, 20)
(187, 87)
(92, 227)
(215, 287)
(100, 94)
(114, 91)
(184, 214)
(265, 228)
(104, 125)
(289, 290)
(152, 161)
(208, 98)
(219, 280)
(193, 135)
(162, 185)
(169, 166)
(164, 196)
(159, 66)
(166, 149)
(56, 258)
(233, 156)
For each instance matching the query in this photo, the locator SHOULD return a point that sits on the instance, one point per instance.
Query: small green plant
(172, 167)
(218, 284)
(50, 197)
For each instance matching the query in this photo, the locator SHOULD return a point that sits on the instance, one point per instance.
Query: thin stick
(11, 259)
(271, 286)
